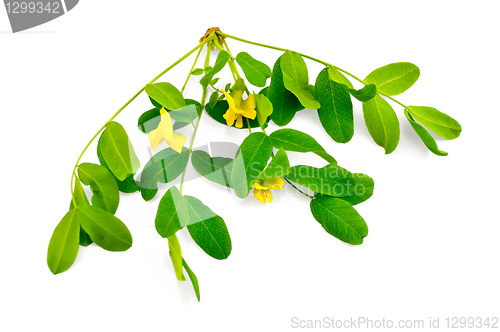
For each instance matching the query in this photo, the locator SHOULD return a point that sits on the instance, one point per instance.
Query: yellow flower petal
(165, 132)
(260, 195)
(177, 141)
(166, 126)
(248, 107)
(229, 116)
(269, 196)
(230, 100)
(277, 183)
(155, 138)
(239, 121)
(237, 96)
(258, 185)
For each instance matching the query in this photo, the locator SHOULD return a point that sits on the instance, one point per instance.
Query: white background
(433, 245)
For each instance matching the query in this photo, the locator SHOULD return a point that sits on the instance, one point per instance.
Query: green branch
(126, 104)
(305, 56)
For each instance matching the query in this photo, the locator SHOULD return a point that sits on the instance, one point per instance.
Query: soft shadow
(26, 32)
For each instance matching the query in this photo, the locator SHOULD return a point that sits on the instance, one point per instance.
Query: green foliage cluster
(261, 162)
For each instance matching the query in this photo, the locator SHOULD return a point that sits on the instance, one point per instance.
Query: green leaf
(339, 219)
(295, 140)
(106, 230)
(335, 113)
(214, 81)
(80, 198)
(129, 185)
(361, 190)
(424, 135)
(220, 62)
(195, 103)
(185, 114)
(394, 78)
(255, 71)
(63, 245)
(118, 152)
(217, 113)
(197, 71)
(278, 167)
(440, 123)
(296, 79)
(207, 229)
(149, 120)
(366, 93)
(264, 108)
(215, 169)
(330, 180)
(148, 194)
(176, 256)
(85, 239)
(103, 186)
(172, 214)
(382, 123)
(250, 161)
(214, 98)
(179, 125)
(166, 95)
(193, 279)
(338, 77)
(155, 104)
(285, 104)
(163, 167)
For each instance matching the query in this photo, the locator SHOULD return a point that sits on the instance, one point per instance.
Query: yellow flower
(239, 108)
(262, 189)
(165, 132)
